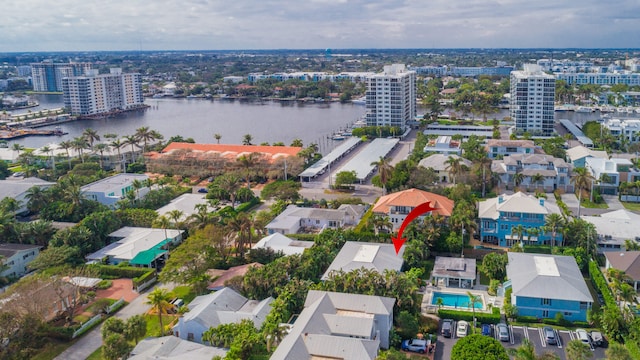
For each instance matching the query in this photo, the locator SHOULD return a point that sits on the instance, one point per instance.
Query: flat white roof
(361, 163)
(546, 266)
(366, 253)
(115, 181)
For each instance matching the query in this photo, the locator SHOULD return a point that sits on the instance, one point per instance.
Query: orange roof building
(399, 204)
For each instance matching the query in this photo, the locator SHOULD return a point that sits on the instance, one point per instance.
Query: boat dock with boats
(7, 133)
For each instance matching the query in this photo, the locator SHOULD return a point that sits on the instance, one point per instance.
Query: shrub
(468, 316)
(248, 205)
(601, 284)
(120, 271)
(144, 278)
(493, 287)
(104, 284)
(428, 325)
(100, 306)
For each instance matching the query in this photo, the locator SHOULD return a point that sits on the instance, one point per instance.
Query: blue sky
(71, 25)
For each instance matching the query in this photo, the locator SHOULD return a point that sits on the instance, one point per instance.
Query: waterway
(266, 121)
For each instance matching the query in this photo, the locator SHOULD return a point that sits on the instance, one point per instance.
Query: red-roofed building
(207, 159)
(399, 204)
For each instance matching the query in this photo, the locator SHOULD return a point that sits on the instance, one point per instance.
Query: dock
(10, 134)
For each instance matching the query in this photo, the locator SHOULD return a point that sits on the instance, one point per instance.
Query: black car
(447, 328)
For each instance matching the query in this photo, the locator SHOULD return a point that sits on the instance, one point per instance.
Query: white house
(443, 145)
(17, 187)
(438, 162)
(554, 172)
(221, 307)
(16, 257)
(280, 243)
(294, 218)
(171, 347)
(499, 148)
(373, 256)
(338, 326)
(143, 247)
(609, 173)
(110, 190)
(614, 228)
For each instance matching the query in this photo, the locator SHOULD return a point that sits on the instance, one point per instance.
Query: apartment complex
(47, 76)
(532, 97)
(391, 97)
(93, 94)
(599, 78)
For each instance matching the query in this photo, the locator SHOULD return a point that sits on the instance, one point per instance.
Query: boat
(583, 109)
(360, 101)
(337, 137)
(564, 107)
(158, 96)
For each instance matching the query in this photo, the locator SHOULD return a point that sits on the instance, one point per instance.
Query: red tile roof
(413, 198)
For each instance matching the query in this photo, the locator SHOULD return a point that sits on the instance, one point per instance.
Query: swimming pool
(454, 300)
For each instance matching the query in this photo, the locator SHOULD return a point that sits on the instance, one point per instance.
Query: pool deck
(429, 308)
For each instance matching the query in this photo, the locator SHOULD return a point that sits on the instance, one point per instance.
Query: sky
(90, 25)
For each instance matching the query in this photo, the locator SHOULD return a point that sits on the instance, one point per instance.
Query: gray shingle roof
(173, 348)
(547, 277)
(627, 261)
(356, 255)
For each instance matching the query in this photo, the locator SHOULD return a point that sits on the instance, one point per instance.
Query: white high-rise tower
(532, 98)
(391, 97)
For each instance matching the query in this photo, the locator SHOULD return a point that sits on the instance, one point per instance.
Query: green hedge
(601, 284)
(632, 346)
(537, 249)
(468, 316)
(144, 277)
(563, 322)
(248, 205)
(128, 272)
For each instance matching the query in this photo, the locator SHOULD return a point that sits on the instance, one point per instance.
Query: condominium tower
(391, 97)
(47, 76)
(532, 97)
(97, 94)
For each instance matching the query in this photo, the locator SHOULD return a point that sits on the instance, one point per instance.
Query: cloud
(38, 25)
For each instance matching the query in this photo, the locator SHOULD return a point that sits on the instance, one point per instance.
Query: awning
(146, 257)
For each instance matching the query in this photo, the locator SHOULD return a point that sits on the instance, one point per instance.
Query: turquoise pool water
(454, 300)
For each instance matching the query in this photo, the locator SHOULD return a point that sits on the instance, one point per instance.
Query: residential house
(294, 219)
(500, 217)
(16, 257)
(373, 256)
(338, 326)
(454, 272)
(438, 162)
(627, 261)
(609, 173)
(186, 204)
(144, 247)
(398, 205)
(172, 348)
(614, 228)
(221, 307)
(546, 285)
(577, 155)
(443, 145)
(554, 173)
(497, 148)
(110, 190)
(280, 243)
(18, 187)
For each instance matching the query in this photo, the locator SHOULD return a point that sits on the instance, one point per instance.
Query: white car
(462, 329)
(583, 336)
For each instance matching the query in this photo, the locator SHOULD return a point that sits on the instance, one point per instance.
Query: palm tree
(163, 223)
(36, 198)
(91, 136)
(79, 144)
(66, 145)
(217, 137)
(117, 144)
(581, 178)
(473, 300)
(577, 350)
(246, 140)
(45, 150)
(101, 148)
(175, 215)
(248, 162)
(241, 225)
(17, 148)
(520, 231)
(454, 167)
(384, 171)
(159, 301)
(537, 179)
(552, 223)
(440, 302)
(517, 179)
(144, 135)
(133, 141)
(526, 351)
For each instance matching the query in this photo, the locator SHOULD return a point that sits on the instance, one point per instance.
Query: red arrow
(423, 208)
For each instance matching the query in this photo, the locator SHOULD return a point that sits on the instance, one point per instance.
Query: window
(190, 336)
(546, 301)
(545, 313)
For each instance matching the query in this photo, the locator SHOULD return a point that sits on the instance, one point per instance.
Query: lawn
(631, 206)
(96, 355)
(591, 205)
(52, 349)
(153, 324)
(184, 292)
(484, 279)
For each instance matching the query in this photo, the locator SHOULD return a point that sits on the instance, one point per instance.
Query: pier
(7, 133)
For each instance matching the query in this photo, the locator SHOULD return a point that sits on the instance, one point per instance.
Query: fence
(115, 306)
(140, 288)
(87, 325)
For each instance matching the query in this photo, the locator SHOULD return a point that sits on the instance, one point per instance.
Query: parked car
(583, 336)
(503, 332)
(597, 339)
(203, 190)
(447, 328)
(415, 345)
(550, 335)
(486, 329)
(463, 327)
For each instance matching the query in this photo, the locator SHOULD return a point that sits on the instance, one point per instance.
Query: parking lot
(517, 335)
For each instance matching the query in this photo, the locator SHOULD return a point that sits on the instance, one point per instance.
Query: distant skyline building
(532, 99)
(463, 71)
(96, 94)
(391, 97)
(47, 76)
(599, 78)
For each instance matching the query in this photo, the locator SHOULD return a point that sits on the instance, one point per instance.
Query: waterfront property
(532, 100)
(508, 219)
(538, 172)
(373, 256)
(627, 261)
(454, 272)
(16, 257)
(144, 247)
(338, 326)
(225, 306)
(399, 204)
(546, 285)
(391, 97)
(47, 76)
(110, 190)
(438, 162)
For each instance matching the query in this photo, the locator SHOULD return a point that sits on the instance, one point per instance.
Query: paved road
(92, 340)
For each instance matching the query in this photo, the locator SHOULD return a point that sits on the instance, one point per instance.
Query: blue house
(545, 285)
(499, 216)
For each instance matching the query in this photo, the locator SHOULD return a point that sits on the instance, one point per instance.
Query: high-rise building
(391, 97)
(47, 76)
(96, 94)
(532, 98)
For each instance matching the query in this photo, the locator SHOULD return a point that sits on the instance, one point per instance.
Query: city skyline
(72, 25)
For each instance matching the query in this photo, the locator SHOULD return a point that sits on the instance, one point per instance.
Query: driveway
(120, 288)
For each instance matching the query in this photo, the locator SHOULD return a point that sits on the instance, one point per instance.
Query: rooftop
(13, 187)
(627, 261)
(375, 256)
(451, 267)
(231, 152)
(518, 203)
(113, 182)
(278, 242)
(361, 163)
(173, 348)
(9, 250)
(412, 198)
